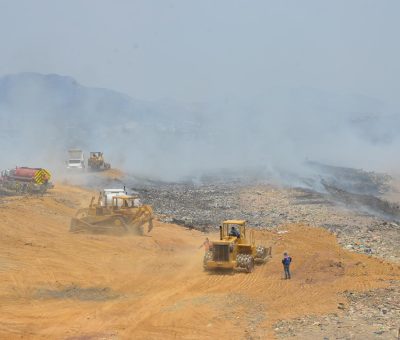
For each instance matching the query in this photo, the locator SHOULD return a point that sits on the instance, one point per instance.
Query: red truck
(25, 180)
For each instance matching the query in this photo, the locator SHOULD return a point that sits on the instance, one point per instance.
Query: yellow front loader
(235, 249)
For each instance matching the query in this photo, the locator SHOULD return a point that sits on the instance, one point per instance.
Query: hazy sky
(200, 50)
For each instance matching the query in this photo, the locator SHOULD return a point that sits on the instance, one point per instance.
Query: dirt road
(58, 285)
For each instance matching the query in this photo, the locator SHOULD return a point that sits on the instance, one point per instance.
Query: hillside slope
(55, 284)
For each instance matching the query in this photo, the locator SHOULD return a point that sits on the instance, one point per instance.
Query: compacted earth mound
(56, 284)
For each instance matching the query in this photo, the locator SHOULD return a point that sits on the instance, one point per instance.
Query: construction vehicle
(23, 180)
(96, 161)
(108, 194)
(76, 159)
(235, 249)
(113, 213)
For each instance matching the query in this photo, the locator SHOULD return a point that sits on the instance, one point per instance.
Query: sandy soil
(58, 285)
(112, 173)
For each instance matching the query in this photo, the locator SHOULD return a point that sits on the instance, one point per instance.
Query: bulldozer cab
(96, 154)
(123, 202)
(236, 229)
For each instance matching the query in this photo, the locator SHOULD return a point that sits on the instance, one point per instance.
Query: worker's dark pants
(287, 271)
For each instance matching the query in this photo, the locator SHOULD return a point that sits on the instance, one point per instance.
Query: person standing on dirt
(206, 244)
(286, 261)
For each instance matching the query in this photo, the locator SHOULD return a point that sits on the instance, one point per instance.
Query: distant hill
(43, 115)
(63, 102)
(40, 112)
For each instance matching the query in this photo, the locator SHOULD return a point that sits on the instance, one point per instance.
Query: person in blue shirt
(286, 261)
(234, 232)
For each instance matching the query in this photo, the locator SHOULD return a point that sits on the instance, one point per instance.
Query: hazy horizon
(201, 51)
(202, 86)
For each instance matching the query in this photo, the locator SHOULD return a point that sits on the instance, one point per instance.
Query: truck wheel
(261, 252)
(207, 257)
(250, 264)
(239, 260)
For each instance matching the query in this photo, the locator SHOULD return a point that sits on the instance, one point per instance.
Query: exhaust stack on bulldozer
(235, 249)
(114, 213)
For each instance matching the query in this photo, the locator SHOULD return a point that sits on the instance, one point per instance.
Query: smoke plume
(272, 135)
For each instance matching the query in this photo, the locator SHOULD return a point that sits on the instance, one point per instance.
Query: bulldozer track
(253, 280)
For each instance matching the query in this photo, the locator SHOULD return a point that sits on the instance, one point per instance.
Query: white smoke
(268, 135)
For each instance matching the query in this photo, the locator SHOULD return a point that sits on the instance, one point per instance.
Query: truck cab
(76, 159)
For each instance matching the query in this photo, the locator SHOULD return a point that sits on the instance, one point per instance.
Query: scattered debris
(368, 315)
(202, 206)
(77, 293)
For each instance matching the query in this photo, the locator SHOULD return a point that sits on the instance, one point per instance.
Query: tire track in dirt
(161, 288)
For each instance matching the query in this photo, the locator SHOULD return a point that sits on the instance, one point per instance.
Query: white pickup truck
(76, 159)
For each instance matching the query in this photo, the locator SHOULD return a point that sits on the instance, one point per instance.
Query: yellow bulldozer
(96, 161)
(117, 215)
(235, 249)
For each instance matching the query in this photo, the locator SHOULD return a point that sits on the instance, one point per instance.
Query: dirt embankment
(60, 285)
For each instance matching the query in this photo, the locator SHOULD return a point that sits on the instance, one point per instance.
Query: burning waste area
(349, 202)
(198, 170)
(85, 251)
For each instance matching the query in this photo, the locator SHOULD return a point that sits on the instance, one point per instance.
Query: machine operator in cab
(234, 232)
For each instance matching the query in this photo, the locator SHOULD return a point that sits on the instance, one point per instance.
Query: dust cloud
(272, 135)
